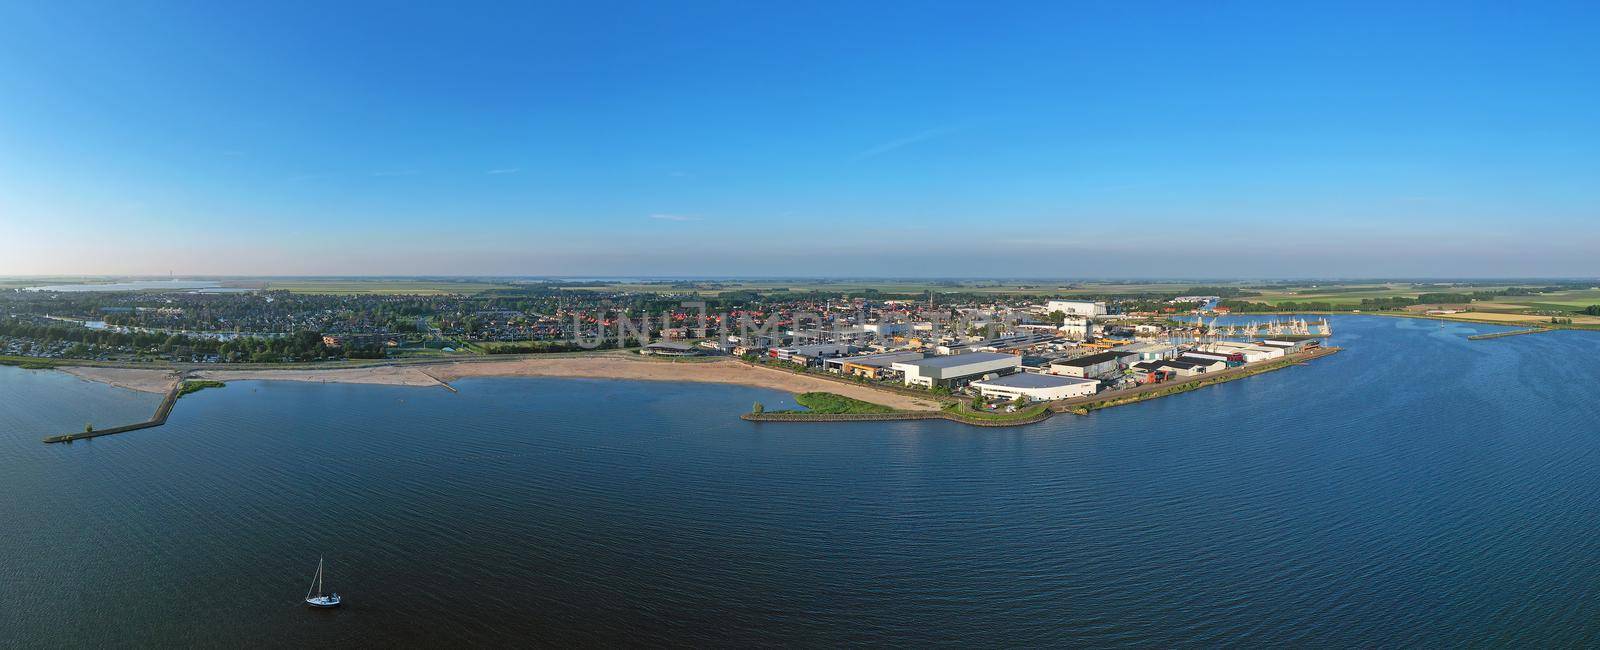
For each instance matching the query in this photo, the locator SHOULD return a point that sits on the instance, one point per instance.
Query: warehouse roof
(1093, 359)
(1034, 380)
(879, 360)
(957, 360)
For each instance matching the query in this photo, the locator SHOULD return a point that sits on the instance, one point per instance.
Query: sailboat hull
(324, 602)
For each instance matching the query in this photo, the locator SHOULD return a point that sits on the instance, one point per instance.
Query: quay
(1083, 405)
(1078, 405)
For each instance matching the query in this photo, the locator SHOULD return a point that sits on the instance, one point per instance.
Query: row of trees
(300, 346)
(50, 333)
(1245, 307)
(537, 347)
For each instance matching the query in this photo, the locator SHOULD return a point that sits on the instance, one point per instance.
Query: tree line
(299, 346)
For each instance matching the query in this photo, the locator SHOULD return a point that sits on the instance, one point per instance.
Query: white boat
(314, 595)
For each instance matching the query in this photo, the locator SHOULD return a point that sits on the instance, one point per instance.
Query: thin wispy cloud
(673, 217)
(504, 170)
(907, 141)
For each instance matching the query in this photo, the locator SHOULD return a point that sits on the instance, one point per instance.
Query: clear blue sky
(742, 138)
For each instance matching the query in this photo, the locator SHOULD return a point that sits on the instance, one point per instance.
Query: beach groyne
(1496, 335)
(162, 411)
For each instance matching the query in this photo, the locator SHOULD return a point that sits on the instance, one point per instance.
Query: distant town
(996, 342)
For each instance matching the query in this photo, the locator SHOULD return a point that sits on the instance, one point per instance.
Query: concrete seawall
(888, 417)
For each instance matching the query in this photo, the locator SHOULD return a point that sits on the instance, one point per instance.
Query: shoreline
(442, 373)
(135, 379)
(719, 370)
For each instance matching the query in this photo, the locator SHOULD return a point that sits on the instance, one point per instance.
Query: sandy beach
(721, 371)
(145, 381)
(389, 375)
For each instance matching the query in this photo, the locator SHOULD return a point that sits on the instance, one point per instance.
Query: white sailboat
(314, 595)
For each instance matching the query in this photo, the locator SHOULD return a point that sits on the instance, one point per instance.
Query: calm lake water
(1416, 489)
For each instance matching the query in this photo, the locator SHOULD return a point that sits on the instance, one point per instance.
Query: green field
(1575, 299)
(964, 410)
(1352, 295)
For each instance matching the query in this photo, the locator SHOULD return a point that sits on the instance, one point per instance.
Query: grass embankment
(197, 385)
(829, 407)
(965, 411)
(834, 404)
(28, 363)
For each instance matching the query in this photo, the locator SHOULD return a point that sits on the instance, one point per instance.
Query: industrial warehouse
(1004, 355)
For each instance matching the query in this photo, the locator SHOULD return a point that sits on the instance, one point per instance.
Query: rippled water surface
(1416, 489)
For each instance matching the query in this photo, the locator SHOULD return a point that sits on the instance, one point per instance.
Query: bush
(830, 403)
(197, 385)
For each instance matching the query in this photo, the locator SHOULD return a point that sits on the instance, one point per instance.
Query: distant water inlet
(137, 285)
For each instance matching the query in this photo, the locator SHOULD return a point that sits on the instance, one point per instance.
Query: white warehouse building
(1035, 387)
(957, 369)
(1252, 353)
(1085, 308)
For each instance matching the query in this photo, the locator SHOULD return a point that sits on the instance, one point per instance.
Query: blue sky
(1052, 140)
